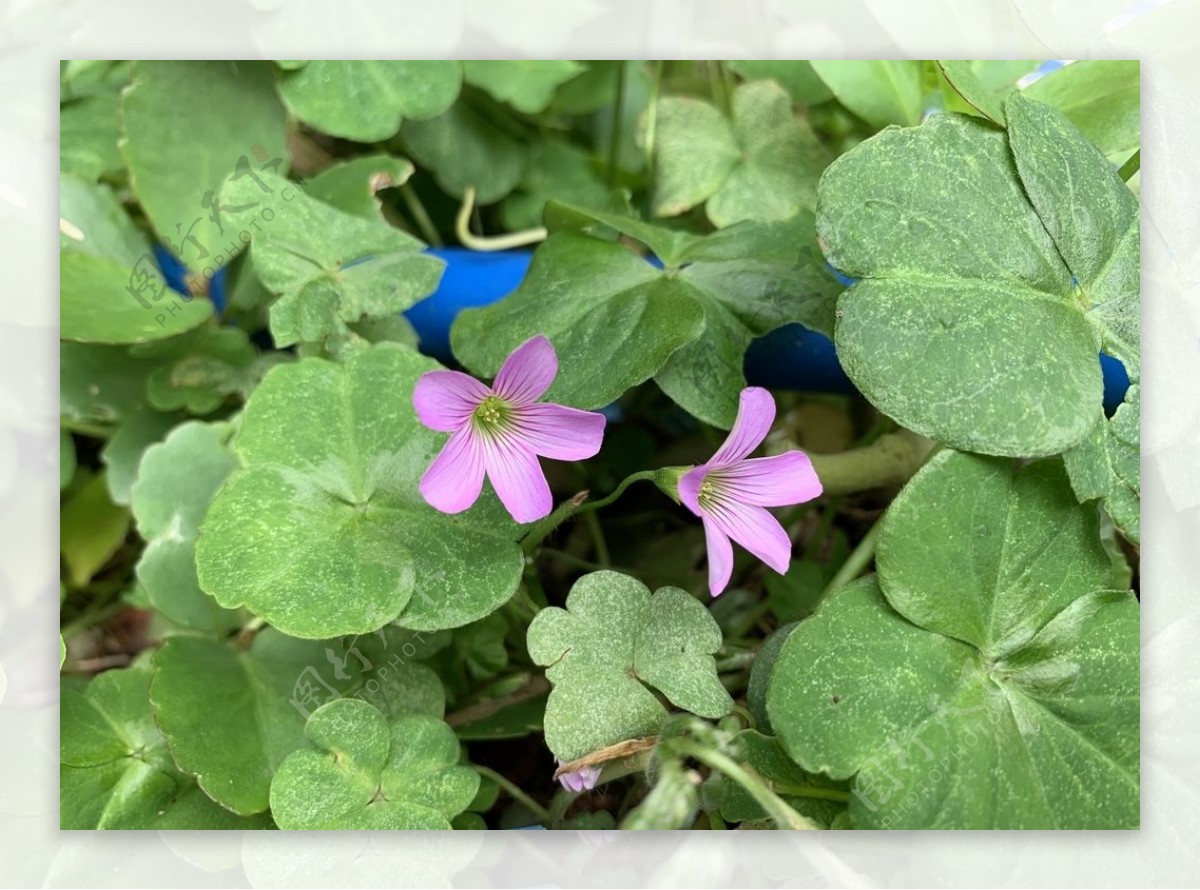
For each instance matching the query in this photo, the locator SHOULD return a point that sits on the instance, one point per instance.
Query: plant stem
(1130, 167)
(485, 243)
(92, 616)
(856, 562)
(534, 537)
(618, 491)
(813, 792)
(890, 460)
(538, 685)
(420, 216)
(598, 541)
(515, 793)
(783, 815)
(83, 428)
(652, 124)
(574, 561)
(614, 142)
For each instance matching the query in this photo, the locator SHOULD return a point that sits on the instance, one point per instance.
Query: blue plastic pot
(791, 357)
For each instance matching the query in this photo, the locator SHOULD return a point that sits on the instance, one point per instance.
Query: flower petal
(755, 529)
(454, 479)
(528, 372)
(756, 413)
(444, 400)
(689, 487)
(518, 479)
(559, 432)
(720, 557)
(777, 481)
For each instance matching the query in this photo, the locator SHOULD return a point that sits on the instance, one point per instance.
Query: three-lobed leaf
(687, 324)
(960, 256)
(110, 289)
(763, 165)
(232, 715)
(366, 100)
(115, 772)
(609, 647)
(176, 481)
(323, 531)
(362, 771)
(189, 125)
(329, 268)
(986, 678)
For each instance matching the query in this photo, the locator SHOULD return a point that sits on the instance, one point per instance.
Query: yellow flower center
(493, 415)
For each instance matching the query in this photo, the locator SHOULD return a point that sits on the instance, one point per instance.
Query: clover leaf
(763, 165)
(123, 451)
(1102, 97)
(996, 282)
(353, 186)
(986, 678)
(794, 75)
(232, 715)
(323, 532)
(103, 259)
(186, 127)
(115, 772)
(687, 324)
(200, 370)
(607, 650)
(466, 149)
(881, 92)
(1106, 465)
(329, 268)
(360, 771)
(527, 85)
(366, 100)
(177, 479)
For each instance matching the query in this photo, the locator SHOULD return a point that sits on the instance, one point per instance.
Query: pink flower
(730, 493)
(580, 779)
(500, 431)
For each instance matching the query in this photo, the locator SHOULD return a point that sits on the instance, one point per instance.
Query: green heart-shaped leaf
(366, 100)
(115, 772)
(1092, 216)
(604, 652)
(763, 165)
(187, 126)
(110, 288)
(231, 716)
(465, 149)
(328, 267)
(526, 85)
(688, 325)
(996, 686)
(176, 481)
(352, 186)
(1102, 97)
(123, 451)
(199, 371)
(87, 136)
(1106, 465)
(796, 76)
(557, 171)
(966, 81)
(91, 530)
(332, 455)
(362, 772)
(881, 92)
(962, 280)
